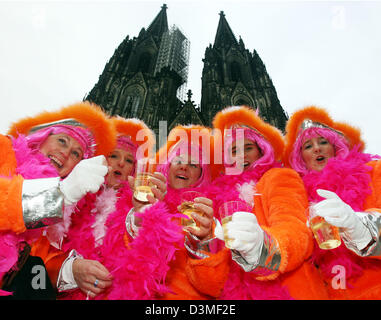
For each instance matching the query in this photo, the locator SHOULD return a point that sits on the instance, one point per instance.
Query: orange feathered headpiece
(313, 116)
(137, 131)
(86, 114)
(243, 116)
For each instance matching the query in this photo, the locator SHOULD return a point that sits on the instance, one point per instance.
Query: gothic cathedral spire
(224, 35)
(233, 76)
(160, 24)
(146, 75)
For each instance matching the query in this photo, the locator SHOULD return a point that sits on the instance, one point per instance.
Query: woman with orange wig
(343, 183)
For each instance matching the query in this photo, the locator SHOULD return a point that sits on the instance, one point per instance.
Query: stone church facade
(146, 76)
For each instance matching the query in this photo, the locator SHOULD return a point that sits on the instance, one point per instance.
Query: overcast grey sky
(325, 53)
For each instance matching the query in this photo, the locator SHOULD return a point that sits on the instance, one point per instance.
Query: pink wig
(82, 135)
(267, 152)
(182, 148)
(338, 141)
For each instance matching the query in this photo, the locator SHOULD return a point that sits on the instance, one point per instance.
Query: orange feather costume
(191, 277)
(104, 134)
(357, 181)
(20, 162)
(279, 201)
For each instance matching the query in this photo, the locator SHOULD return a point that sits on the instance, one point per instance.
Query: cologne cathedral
(146, 78)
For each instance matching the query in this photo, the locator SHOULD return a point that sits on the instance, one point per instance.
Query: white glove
(87, 176)
(247, 234)
(336, 212)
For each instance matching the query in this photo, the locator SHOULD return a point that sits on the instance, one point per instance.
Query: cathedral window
(131, 106)
(235, 71)
(241, 102)
(241, 99)
(135, 105)
(131, 99)
(144, 62)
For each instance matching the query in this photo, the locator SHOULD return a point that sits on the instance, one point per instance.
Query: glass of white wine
(326, 235)
(143, 186)
(226, 211)
(187, 208)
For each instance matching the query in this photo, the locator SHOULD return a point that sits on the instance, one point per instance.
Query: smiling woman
(63, 151)
(185, 158)
(187, 169)
(42, 150)
(52, 143)
(267, 260)
(250, 153)
(104, 224)
(184, 171)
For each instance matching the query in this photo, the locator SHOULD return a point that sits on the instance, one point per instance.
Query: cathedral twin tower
(147, 75)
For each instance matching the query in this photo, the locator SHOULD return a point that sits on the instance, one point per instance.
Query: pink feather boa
(80, 235)
(147, 260)
(242, 285)
(349, 178)
(9, 242)
(31, 164)
(139, 271)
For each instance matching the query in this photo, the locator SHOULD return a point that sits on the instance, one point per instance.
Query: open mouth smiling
(56, 162)
(182, 177)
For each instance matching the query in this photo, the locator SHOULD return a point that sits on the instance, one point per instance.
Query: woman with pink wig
(104, 258)
(194, 271)
(48, 165)
(271, 242)
(343, 182)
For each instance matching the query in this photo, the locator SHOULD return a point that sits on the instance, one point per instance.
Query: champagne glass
(226, 211)
(327, 236)
(187, 208)
(143, 186)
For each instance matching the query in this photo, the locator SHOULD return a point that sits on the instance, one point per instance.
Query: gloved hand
(247, 234)
(87, 176)
(336, 212)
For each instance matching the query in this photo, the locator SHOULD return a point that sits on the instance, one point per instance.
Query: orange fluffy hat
(243, 116)
(83, 114)
(313, 116)
(137, 131)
